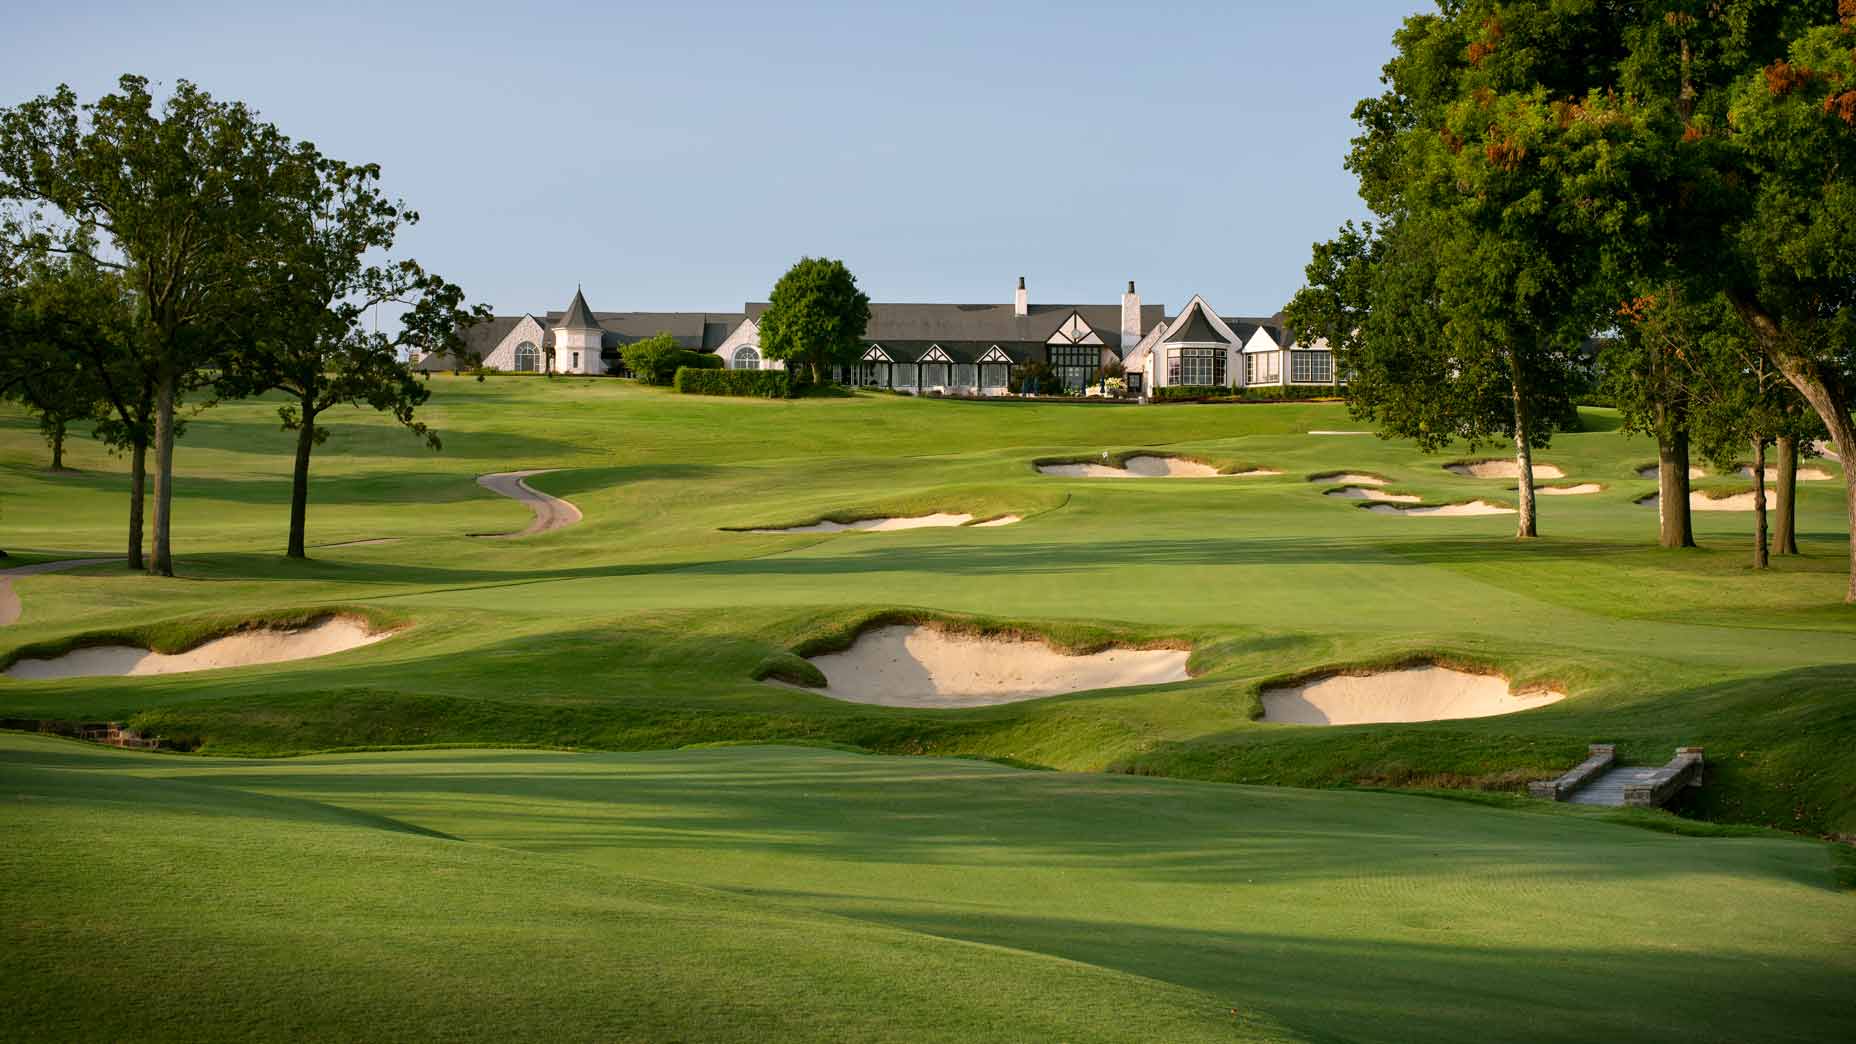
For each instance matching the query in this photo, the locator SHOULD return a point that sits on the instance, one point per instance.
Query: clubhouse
(954, 349)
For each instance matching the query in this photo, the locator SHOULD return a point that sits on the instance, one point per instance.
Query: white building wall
(503, 356)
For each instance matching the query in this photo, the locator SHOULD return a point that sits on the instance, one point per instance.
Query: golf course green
(686, 851)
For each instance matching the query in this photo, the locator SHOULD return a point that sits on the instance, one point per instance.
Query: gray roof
(1196, 328)
(700, 331)
(992, 323)
(961, 352)
(578, 316)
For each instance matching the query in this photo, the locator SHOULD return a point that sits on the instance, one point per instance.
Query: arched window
(528, 357)
(746, 358)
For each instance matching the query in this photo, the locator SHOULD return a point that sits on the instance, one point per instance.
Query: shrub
(1036, 377)
(656, 359)
(764, 384)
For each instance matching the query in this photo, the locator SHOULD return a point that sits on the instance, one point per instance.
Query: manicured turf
(781, 893)
(642, 626)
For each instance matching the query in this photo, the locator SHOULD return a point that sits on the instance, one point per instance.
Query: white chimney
(1020, 307)
(1130, 319)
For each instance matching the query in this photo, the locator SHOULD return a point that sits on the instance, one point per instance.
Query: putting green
(757, 893)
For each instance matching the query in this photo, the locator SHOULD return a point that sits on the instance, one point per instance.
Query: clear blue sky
(679, 156)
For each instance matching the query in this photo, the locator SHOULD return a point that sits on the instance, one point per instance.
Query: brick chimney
(1020, 307)
(1130, 319)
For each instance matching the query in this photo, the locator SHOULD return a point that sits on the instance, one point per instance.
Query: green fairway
(778, 892)
(643, 625)
(772, 893)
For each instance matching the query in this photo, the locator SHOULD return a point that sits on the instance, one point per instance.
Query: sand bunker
(1411, 694)
(1826, 448)
(550, 512)
(1578, 490)
(1474, 507)
(244, 649)
(1352, 478)
(1148, 466)
(1703, 502)
(889, 525)
(1772, 474)
(1652, 474)
(1501, 469)
(912, 666)
(1369, 493)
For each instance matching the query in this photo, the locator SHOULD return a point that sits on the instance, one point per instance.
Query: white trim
(1211, 315)
(995, 355)
(934, 354)
(875, 353)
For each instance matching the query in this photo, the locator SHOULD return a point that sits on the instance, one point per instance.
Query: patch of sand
(913, 666)
(1826, 448)
(1651, 473)
(1410, 694)
(1703, 502)
(1149, 466)
(887, 525)
(1579, 490)
(1352, 478)
(1501, 469)
(1772, 474)
(1474, 507)
(245, 649)
(10, 607)
(1369, 493)
(550, 512)
(1002, 520)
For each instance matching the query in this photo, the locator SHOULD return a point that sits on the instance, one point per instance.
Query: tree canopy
(815, 318)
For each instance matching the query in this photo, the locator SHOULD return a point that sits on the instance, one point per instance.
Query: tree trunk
(1674, 518)
(1829, 404)
(164, 473)
(138, 484)
(299, 483)
(1760, 546)
(58, 445)
(1785, 527)
(1525, 525)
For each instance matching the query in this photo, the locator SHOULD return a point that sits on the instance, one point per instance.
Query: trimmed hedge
(1262, 393)
(762, 384)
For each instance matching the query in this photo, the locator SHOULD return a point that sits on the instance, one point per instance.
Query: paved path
(550, 512)
(9, 598)
(1608, 789)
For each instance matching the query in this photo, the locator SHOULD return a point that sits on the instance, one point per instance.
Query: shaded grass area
(814, 894)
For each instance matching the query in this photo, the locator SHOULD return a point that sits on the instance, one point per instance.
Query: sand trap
(1369, 493)
(1501, 469)
(1148, 466)
(1002, 520)
(888, 525)
(244, 649)
(550, 512)
(1826, 448)
(1772, 474)
(1474, 507)
(912, 666)
(1652, 474)
(1579, 490)
(1352, 478)
(1703, 502)
(9, 598)
(1411, 694)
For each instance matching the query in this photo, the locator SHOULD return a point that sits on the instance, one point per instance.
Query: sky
(679, 156)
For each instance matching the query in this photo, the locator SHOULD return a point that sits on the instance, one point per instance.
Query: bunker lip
(1804, 474)
(244, 647)
(1143, 465)
(1654, 472)
(1415, 692)
(1500, 468)
(927, 666)
(550, 512)
(1373, 494)
(1462, 510)
(1351, 478)
(1705, 500)
(887, 524)
(1566, 489)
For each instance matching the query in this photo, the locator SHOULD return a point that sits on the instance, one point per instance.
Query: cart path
(9, 598)
(550, 512)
